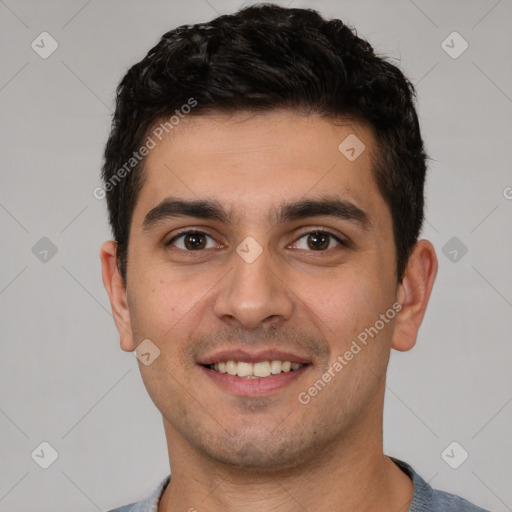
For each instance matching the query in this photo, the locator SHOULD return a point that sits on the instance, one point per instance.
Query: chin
(263, 452)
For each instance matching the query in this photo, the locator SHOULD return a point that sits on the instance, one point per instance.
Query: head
(257, 125)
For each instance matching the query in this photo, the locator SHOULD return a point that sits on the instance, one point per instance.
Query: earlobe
(414, 293)
(116, 290)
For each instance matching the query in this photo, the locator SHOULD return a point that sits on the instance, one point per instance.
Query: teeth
(275, 367)
(231, 367)
(261, 369)
(244, 369)
(255, 370)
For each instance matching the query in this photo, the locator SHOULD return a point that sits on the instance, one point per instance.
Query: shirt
(425, 499)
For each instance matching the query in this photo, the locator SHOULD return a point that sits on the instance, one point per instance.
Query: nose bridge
(253, 291)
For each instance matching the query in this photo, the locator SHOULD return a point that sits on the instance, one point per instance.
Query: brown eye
(319, 240)
(191, 241)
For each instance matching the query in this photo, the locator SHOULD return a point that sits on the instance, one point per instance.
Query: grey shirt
(425, 499)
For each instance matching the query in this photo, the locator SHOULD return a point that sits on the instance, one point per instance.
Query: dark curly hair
(263, 58)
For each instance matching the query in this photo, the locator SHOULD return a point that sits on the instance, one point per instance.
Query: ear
(413, 294)
(116, 290)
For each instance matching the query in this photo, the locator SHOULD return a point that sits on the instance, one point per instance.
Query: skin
(269, 452)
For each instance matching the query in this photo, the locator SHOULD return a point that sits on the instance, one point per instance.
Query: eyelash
(197, 232)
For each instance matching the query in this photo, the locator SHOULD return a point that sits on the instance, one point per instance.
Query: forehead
(253, 163)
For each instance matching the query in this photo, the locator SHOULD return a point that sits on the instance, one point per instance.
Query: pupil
(318, 240)
(194, 241)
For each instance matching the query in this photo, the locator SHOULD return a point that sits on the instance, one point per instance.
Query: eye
(319, 240)
(192, 241)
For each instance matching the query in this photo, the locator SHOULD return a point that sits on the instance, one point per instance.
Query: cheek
(346, 303)
(159, 304)
(349, 309)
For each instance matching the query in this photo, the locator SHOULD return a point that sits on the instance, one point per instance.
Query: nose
(254, 294)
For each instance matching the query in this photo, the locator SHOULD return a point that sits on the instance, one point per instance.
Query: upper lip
(252, 357)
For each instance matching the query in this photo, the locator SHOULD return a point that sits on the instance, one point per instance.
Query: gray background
(63, 377)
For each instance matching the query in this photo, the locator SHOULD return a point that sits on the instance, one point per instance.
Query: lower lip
(253, 387)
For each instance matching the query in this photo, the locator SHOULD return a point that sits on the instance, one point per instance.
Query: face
(255, 243)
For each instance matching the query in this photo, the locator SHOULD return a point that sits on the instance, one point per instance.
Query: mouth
(244, 374)
(257, 370)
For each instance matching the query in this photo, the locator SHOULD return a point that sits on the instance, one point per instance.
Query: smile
(258, 370)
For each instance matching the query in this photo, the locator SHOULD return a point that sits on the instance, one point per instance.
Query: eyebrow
(210, 209)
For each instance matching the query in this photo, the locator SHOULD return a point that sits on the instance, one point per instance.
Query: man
(264, 179)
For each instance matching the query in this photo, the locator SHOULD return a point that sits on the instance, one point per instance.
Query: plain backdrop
(63, 378)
